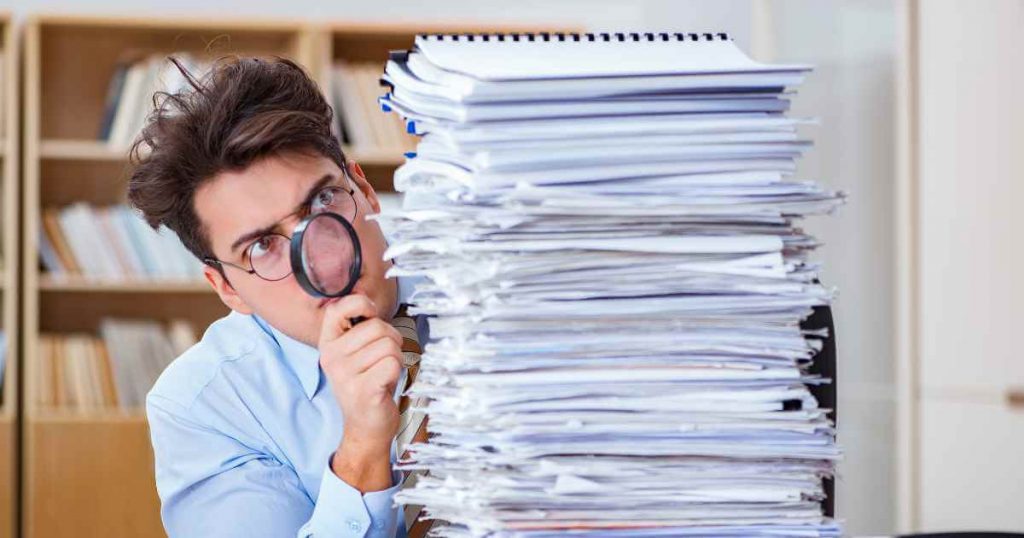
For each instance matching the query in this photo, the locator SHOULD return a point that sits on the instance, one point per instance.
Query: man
(281, 420)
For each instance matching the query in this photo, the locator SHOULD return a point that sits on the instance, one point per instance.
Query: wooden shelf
(97, 476)
(10, 286)
(8, 473)
(68, 63)
(98, 150)
(69, 416)
(375, 156)
(81, 150)
(81, 284)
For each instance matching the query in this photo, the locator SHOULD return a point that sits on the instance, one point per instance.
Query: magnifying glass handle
(357, 319)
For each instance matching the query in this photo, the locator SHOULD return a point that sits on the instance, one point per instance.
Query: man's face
(268, 192)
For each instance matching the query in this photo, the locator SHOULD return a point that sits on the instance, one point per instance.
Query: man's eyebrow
(255, 234)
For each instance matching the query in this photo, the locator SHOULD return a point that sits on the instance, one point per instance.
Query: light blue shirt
(243, 426)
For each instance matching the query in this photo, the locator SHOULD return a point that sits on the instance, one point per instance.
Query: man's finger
(350, 365)
(366, 332)
(385, 372)
(337, 315)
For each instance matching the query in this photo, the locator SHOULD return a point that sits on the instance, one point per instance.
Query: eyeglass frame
(219, 264)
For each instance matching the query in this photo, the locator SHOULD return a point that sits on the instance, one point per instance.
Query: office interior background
(921, 123)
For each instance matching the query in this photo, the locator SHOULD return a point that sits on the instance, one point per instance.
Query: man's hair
(243, 110)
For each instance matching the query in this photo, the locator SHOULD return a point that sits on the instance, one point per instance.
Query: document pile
(607, 228)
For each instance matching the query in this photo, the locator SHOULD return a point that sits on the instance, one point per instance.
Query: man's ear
(225, 291)
(356, 172)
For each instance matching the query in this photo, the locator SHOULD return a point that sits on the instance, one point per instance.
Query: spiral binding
(579, 37)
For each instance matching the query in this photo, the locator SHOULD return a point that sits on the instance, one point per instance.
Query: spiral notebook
(476, 68)
(539, 56)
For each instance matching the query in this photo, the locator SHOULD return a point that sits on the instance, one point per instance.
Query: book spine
(114, 90)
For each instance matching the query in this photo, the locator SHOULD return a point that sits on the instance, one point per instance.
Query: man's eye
(324, 198)
(262, 246)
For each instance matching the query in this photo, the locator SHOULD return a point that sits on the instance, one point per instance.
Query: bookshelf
(89, 473)
(9, 407)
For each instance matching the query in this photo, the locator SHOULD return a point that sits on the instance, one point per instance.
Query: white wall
(968, 222)
(852, 45)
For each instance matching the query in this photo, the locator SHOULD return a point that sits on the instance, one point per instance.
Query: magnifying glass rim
(296, 255)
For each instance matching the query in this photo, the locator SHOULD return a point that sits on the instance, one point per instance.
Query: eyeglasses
(268, 256)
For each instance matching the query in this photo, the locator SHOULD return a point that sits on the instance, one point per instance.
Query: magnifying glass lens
(329, 255)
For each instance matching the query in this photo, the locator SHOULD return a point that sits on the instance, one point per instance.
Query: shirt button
(378, 524)
(354, 525)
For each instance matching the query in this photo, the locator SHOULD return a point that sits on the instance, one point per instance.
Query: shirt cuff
(342, 510)
(385, 515)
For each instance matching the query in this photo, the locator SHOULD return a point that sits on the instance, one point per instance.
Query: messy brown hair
(242, 110)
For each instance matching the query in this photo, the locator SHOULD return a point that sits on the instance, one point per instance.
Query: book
(55, 238)
(114, 90)
(113, 369)
(111, 243)
(350, 109)
(131, 91)
(354, 90)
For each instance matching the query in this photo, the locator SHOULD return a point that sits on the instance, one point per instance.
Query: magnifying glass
(326, 256)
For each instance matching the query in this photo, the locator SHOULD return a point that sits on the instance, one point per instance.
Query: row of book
(130, 93)
(354, 90)
(111, 243)
(82, 371)
(354, 96)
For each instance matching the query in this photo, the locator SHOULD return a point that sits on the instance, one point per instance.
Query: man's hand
(362, 364)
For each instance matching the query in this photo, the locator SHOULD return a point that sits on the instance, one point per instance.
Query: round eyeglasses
(268, 256)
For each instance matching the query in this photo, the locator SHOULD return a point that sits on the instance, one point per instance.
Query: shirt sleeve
(211, 484)
(378, 519)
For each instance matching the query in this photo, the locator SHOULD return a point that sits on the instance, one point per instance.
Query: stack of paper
(607, 227)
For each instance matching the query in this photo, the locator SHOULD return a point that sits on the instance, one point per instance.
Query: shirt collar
(303, 359)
